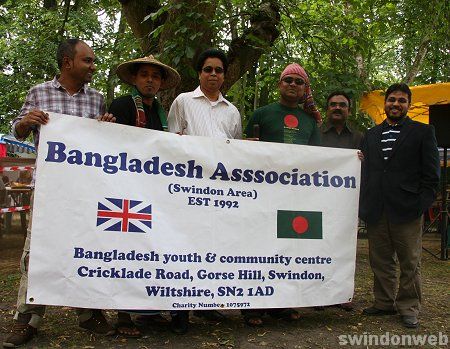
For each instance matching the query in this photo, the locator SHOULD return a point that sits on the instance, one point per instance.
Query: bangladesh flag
(299, 224)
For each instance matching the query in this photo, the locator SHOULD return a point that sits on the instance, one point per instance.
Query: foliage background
(352, 45)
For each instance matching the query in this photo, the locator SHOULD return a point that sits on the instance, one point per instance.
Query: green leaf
(190, 51)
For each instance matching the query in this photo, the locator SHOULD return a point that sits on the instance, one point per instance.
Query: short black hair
(211, 52)
(134, 68)
(66, 48)
(398, 87)
(340, 93)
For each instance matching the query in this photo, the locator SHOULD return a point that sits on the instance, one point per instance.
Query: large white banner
(128, 218)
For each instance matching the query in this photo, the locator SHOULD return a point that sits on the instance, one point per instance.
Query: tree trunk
(180, 53)
(50, 4)
(135, 12)
(361, 68)
(241, 100)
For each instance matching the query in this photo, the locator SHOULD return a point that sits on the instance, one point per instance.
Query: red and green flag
(299, 224)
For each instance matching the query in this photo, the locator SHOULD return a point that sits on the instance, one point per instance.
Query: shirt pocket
(410, 188)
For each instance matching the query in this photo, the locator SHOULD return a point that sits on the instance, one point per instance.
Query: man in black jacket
(400, 175)
(147, 75)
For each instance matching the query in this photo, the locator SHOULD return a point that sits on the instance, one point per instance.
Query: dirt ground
(316, 329)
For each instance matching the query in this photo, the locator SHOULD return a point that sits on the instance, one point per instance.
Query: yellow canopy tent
(422, 96)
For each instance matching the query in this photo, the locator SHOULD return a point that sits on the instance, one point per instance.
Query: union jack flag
(128, 216)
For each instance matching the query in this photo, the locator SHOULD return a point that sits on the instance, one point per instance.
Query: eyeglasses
(335, 104)
(289, 80)
(208, 69)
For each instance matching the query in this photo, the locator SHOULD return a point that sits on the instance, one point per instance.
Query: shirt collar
(198, 93)
(56, 84)
(398, 124)
(328, 126)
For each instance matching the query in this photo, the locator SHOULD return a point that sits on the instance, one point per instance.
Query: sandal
(253, 317)
(126, 327)
(288, 314)
(210, 315)
(253, 320)
(97, 324)
(144, 320)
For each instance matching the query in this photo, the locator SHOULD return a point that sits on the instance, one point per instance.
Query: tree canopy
(352, 45)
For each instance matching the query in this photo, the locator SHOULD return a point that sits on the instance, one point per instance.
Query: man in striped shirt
(67, 93)
(388, 137)
(400, 175)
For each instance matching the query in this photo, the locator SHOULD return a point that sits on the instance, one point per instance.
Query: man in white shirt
(204, 111)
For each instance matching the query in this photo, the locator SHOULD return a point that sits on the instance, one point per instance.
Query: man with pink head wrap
(307, 99)
(285, 121)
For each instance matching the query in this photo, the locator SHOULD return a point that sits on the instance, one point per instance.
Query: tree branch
(66, 18)
(110, 84)
(418, 60)
(233, 19)
(246, 49)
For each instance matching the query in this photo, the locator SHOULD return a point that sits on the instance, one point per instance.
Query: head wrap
(307, 99)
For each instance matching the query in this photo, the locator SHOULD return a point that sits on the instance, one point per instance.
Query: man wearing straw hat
(147, 75)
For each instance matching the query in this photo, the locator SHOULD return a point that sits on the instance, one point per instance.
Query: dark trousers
(391, 244)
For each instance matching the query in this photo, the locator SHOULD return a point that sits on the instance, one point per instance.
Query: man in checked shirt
(67, 93)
